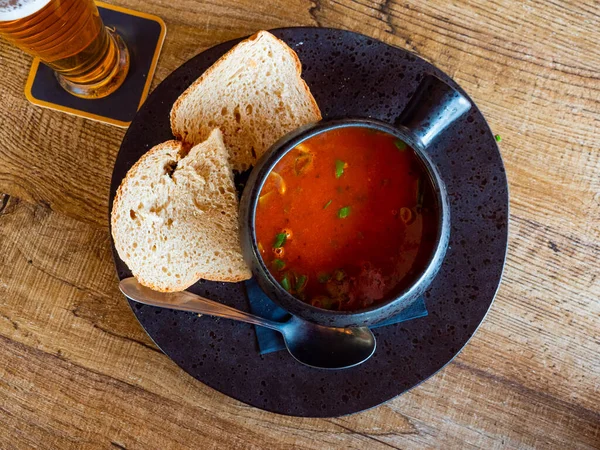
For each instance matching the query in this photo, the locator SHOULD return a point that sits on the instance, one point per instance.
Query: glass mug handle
(433, 108)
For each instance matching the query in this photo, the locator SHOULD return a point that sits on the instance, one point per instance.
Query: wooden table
(76, 369)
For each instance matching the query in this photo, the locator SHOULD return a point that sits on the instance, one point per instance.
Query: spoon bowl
(310, 344)
(327, 347)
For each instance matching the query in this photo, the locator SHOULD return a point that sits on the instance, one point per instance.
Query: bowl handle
(432, 108)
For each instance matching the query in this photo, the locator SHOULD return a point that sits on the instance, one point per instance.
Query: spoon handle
(186, 301)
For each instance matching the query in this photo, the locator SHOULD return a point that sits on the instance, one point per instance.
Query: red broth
(347, 219)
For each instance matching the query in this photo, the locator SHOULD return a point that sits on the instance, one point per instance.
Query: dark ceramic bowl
(433, 107)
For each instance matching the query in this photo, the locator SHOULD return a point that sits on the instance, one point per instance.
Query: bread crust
(178, 147)
(175, 110)
(190, 277)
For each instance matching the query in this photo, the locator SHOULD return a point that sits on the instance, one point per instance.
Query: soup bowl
(432, 109)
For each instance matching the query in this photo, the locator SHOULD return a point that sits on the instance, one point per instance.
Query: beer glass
(90, 60)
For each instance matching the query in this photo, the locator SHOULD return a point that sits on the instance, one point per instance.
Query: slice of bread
(174, 219)
(253, 93)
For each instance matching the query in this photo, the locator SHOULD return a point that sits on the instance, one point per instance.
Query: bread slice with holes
(254, 94)
(175, 217)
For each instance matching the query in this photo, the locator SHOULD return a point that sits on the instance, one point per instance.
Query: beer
(68, 35)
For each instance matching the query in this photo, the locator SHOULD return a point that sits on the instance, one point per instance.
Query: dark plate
(349, 75)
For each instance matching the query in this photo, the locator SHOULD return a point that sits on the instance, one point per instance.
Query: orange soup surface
(346, 219)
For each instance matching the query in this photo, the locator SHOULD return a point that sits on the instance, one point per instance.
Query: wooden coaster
(144, 35)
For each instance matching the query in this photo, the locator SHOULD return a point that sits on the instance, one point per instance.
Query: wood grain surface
(76, 369)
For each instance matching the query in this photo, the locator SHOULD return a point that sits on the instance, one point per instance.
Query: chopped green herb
(498, 138)
(323, 277)
(400, 145)
(285, 282)
(344, 212)
(301, 281)
(280, 239)
(339, 168)
(327, 204)
(339, 275)
(278, 264)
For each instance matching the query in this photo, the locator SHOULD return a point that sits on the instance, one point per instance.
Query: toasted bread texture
(253, 93)
(174, 218)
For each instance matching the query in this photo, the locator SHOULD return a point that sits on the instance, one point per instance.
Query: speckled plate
(349, 75)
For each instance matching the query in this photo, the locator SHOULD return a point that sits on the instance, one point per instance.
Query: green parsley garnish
(285, 282)
(301, 281)
(498, 138)
(344, 212)
(339, 168)
(339, 275)
(278, 264)
(280, 239)
(327, 204)
(400, 145)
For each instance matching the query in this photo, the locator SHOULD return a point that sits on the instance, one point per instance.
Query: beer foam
(18, 9)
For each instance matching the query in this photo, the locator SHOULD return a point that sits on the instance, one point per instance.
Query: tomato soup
(347, 219)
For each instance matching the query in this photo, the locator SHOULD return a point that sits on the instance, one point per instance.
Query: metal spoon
(309, 343)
